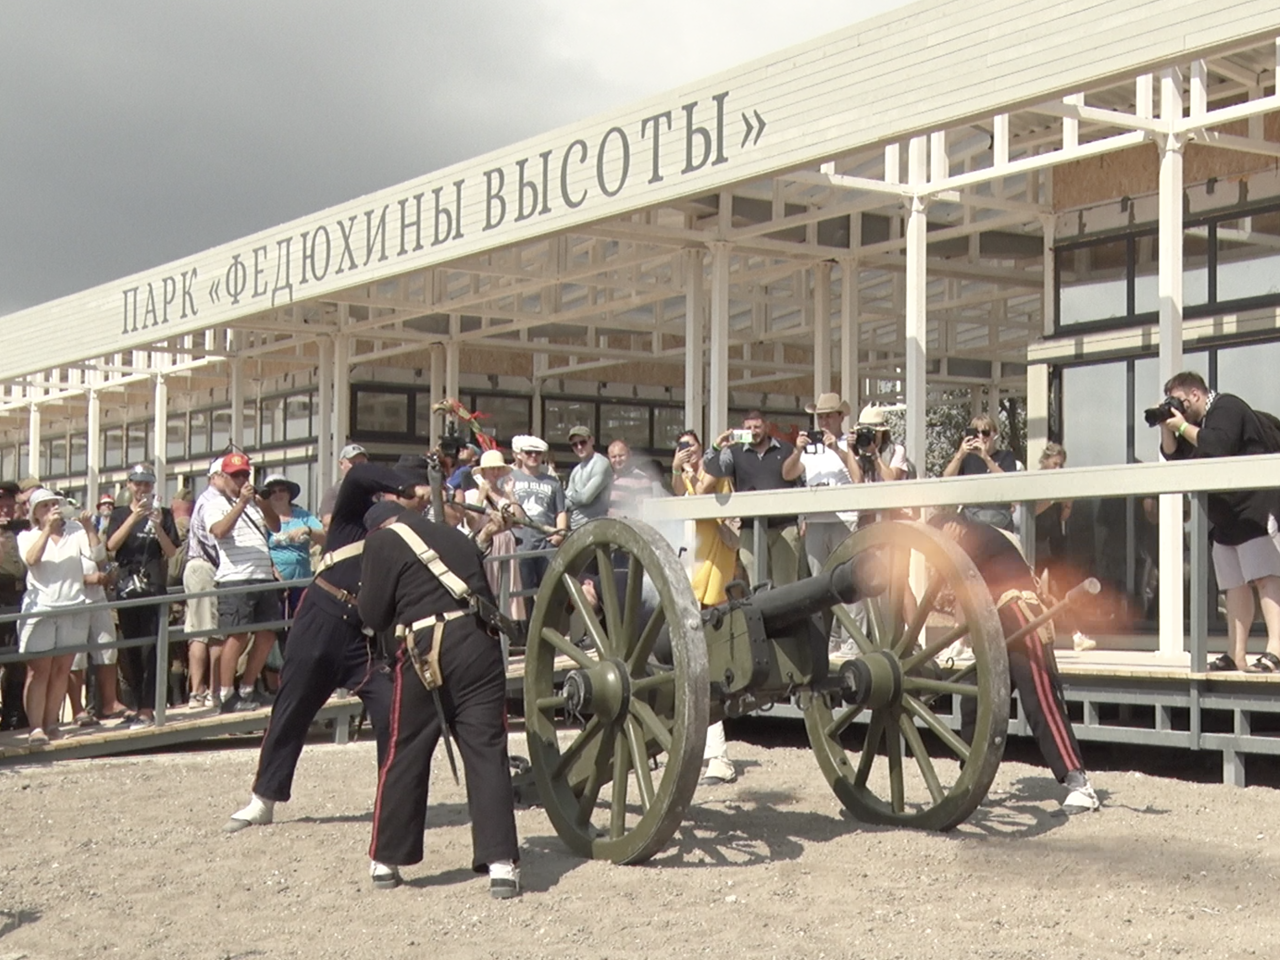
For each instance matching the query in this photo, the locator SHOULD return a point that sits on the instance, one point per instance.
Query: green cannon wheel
(617, 784)
(902, 685)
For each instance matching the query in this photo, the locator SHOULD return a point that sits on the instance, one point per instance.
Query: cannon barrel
(781, 608)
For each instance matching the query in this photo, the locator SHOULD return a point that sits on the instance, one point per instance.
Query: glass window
(297, 417)
(79, 454)
(1195, 267)
(249, 424)
(668, 423)
(24, 460)
(422, 414)
(199, 433)
(1249, 257)
(137, 449)
(629, 422)
(381, 411)
(113, 447)
(1195, 270)
(559, 415)
(220, 430)
(272, 421)
(1250, 373)
(1093, 282)
(58, 457)
(504, 417)
(9, 461)
(1091, 438)
(175, 438)
(1147, 392)
(300, 473)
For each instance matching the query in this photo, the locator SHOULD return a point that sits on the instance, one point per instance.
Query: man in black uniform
(423, 578)
(327, 649)
(1033, 670)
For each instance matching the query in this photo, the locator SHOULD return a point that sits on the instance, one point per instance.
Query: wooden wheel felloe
(617, 789)
(900, 685)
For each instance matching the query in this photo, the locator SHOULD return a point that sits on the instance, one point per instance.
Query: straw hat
(493, 460)
(828, 403)
(872, 415)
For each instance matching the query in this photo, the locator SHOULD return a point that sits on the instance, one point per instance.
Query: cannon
(640, 675)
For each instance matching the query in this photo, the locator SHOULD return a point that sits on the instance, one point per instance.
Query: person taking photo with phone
(976, 455)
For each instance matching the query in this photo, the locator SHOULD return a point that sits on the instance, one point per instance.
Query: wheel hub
(873, 680)
(604, 690)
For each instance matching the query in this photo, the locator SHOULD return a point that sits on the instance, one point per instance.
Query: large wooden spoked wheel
(902, 684)
(617, 783)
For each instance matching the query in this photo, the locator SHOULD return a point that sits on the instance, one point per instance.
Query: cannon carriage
(641, 671)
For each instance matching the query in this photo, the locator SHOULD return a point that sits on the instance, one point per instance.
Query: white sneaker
(1083, 642)
(719, 770)
(504, 880)
(257, 812)
(1081, 800)
(384, 875)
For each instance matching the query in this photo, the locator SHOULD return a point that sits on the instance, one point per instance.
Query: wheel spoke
(892, 597)
(609, 601)
(840, 722)
(666, 678)
(847, 621)
(550, 703)
(893, 747)
(631, 605)
(874, 731)
(923, 609)
(916, 743)
(590, 794)
(934, 723)
(618, 807)
(966, 671)
(958, 632)
(648, 637)
(596, 632)
(649, 720)
(564, 645)
(574, 750)
(640, 763)
(876, 629)
(939, 687)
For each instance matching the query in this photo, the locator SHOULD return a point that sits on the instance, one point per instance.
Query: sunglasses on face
(240, 474)
(579, 443)
(981, 433)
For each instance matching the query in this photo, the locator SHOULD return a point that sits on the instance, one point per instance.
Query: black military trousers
(473, 696)
(326, 651)
(1033, 673)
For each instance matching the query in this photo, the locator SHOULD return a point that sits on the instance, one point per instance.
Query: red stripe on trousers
(1049, 702)
(391, 754)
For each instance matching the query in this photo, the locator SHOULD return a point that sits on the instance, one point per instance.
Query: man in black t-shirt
(1246, 544)
(143, 538)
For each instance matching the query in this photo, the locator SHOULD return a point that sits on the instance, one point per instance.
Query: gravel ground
(125, 857)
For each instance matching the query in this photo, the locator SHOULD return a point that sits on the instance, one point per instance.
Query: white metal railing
(1194, 477)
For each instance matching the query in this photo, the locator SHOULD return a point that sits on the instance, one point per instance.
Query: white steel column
(718, 414)
(93, 449)
(1170, 359)
(821, 327)
(159, 464)
(325, 452)
(916, 305)
(451, 361)
(436, 390)
(341, 403)
(1037, 410)
(33, 440)
(237, 403)
(694, 343)
(849, 382)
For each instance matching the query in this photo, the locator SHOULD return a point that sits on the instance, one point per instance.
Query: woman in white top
(493, 492)
(52, 550)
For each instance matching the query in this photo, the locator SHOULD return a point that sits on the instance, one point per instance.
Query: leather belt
(336, 592)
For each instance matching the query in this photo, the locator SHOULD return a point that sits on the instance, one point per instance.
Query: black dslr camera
(1159, 414)
(863, 440)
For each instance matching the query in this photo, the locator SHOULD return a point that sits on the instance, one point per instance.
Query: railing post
(162, 663)
(760, 544)
(1198, 639)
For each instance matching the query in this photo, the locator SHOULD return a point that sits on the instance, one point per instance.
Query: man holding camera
(976, 455)
(755, 460)
(142, 537)
(1198, 422)
(823, 456)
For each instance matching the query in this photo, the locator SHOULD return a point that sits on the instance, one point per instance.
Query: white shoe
(1082, 642)
(384, 875)
(504, 880)
(257, 812)
(1081, 800)
(719, 770)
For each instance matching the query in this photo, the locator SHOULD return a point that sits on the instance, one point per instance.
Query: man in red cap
(241, 522)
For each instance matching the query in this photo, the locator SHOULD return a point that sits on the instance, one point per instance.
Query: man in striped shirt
(241, 522)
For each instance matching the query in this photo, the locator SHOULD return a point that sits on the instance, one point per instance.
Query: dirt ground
(125, 857)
